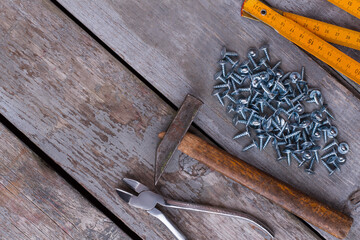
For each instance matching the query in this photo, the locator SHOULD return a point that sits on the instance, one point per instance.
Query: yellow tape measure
(306, 39)
(326, 31)
(351, 6)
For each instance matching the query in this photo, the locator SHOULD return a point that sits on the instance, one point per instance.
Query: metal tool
(310, 40)
(286, 196)
(175, 133)
(148, 200)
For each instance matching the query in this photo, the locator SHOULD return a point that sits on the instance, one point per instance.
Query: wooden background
(95, 103)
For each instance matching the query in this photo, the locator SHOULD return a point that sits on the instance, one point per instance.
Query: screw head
(279, 73)
(264, 47)
(299, 108)
(222, 62)
(317, 116)
(307, 155)
(305, 123)
(309, 171)
(343, 148)
(294, 77)
(223, 52)
(316, 136)
(332, 132)
(253, 52)
(314, 93)
(341, 159)
(218, 76)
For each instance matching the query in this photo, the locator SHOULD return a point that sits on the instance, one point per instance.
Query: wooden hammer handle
(289, 198)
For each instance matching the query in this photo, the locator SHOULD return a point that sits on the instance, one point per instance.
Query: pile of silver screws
(270, 104)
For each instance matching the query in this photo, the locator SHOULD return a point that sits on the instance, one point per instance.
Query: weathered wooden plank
(100, 123)
(175, 45)
(327, 12)
(37, 203)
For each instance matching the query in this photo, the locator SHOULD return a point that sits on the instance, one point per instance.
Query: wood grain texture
(37, 203)
(100, 123)
(175, 45)
(284, 195)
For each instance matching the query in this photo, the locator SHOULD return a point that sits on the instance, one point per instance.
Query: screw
(252, 53)
(316, 152)
(261, 102)
(334, 143)
(316, 96)
(282, 130)
(288, 102)
(263, 63)
(250, 117)
(234, 78)
(306, 155)
(331, 171)
(245, 68)
(220, 98)
(246, 133)
(226, 85)
(343, 148)
(296, 158)
(233, 63)
(294, 77)
(278, 152)
(341, 159)
(316, 136)
(302, 73)
(298, 108)
(280, 86)
(230, 97)
(304, 124)
(265, 49)
(224, 53)
(230, 107)
(261, 139)
(292, 134)
(222, 64)
(332, 132)
(236, 120)
(324, 109)
(297, 98)
(270, 106)
(288, 153)
(324, 130)
(276, 66)
(241, 109)
(242, 90)
(218, 76)
(267, 91)
(267, 141)
(333, 160)
(333, 153)
(310, 168)
(254, 144)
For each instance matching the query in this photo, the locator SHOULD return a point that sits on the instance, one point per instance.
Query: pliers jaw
(146, 200)
(135, 185)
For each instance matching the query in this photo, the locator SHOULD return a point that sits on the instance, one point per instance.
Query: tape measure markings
(328, 32)
(350, 6)
(304, 39)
